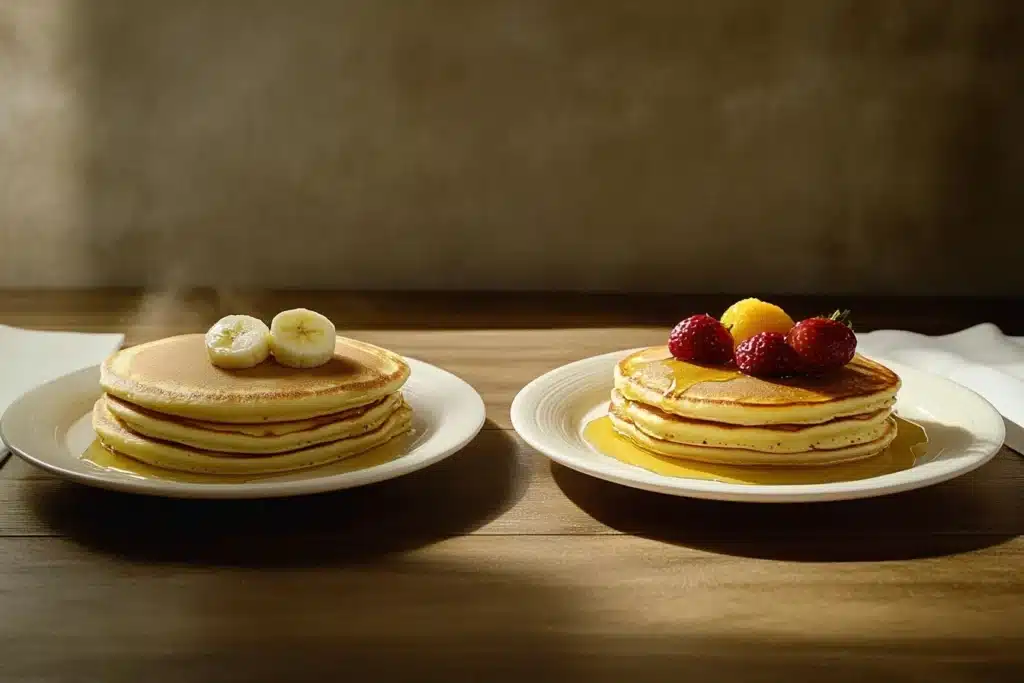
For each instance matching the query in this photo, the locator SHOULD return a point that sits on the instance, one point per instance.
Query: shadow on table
(965, 514)
(453, 497)
(457, 651)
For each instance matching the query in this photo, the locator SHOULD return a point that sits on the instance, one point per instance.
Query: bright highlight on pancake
(167, 405)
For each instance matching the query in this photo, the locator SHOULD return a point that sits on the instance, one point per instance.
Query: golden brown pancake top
(656, 370)
(183, 362)
(175, 376)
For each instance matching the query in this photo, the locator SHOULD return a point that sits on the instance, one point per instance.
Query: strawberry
(701, 339)
(767, 354)
(823, 344)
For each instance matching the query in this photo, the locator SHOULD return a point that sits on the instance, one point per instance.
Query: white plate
(51, 427)
(964, 432)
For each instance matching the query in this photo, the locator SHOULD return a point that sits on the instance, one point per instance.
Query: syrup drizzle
(910, 444)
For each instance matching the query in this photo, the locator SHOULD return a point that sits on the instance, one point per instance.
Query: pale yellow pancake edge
(234, 442)
(835, 434)
(731, 456)
(114, 435)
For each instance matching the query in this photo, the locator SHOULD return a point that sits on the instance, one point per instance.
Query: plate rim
(523, 419)
(256, 489)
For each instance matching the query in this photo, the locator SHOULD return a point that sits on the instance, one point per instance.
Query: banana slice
(238, 341)
(301, 338)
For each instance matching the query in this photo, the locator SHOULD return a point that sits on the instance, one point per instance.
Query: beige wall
(808, 145)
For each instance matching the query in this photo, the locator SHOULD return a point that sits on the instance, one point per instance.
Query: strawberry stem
(842, 316)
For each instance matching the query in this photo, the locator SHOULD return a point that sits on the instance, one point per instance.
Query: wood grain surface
(496, 564)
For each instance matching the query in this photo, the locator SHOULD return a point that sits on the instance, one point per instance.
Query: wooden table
(497, 565)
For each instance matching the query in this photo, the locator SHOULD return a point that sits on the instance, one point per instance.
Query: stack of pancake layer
(719, 415)
(167, 405)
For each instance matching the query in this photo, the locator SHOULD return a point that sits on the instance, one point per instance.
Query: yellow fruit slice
(752, 316)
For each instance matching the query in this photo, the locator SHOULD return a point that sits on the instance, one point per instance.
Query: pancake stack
(719, 415)
(167, 405)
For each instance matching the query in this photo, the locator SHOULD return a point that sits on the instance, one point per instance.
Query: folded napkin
(980, 358)
(29, 358)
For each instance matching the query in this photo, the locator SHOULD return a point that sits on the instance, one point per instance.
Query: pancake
(262, 429)
(174, 376)
(254, 439)
(837, 433)
(737, 456)
(654, 378)
(117, 437)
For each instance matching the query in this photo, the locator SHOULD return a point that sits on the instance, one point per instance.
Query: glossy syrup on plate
(910, 443)
(104, 458)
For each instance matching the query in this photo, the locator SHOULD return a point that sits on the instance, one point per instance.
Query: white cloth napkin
(29, 358)
(980, 358)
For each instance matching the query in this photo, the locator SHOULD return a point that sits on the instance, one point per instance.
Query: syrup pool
(910, 443)
(102, 457)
